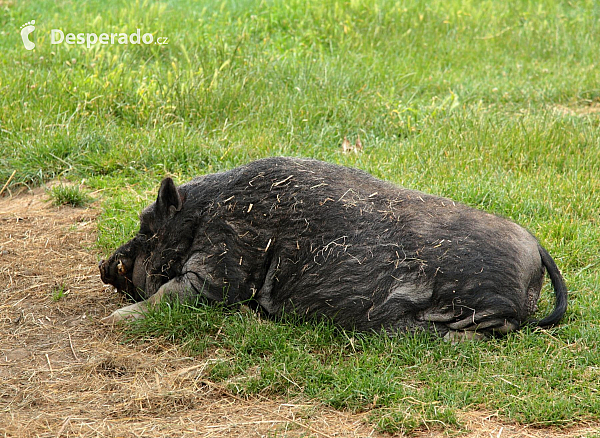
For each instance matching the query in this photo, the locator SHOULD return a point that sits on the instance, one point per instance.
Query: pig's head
(137, 268)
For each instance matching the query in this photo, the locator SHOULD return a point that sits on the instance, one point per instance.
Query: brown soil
(581, 109)
(64, 373)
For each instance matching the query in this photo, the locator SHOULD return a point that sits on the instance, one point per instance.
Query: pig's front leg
(182, 288)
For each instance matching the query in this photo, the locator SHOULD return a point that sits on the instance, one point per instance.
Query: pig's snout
(127, 274)
(112, 270)
(103, 266)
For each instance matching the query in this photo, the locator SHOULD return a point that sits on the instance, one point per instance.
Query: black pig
(304, 236)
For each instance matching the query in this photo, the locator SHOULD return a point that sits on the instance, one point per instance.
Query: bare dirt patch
(582, 109)
(64, 373)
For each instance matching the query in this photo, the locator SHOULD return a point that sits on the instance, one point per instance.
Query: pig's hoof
(458, 336)
(134, 311)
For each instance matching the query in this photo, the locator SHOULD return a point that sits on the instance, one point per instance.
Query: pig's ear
(169, 199)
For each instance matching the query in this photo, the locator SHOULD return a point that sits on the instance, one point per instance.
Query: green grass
(69, 195)
(59, 292)
(490, 103)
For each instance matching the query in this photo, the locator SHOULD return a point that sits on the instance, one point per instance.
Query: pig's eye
(121, 269)
(145, 228)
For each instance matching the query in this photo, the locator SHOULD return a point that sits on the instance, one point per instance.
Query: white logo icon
(26, 30)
